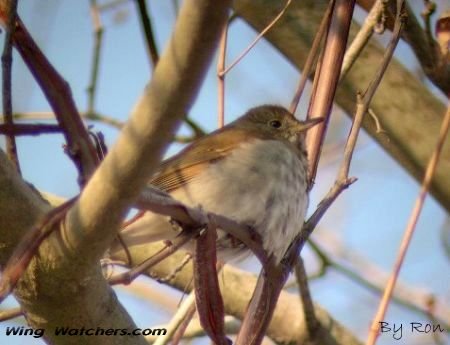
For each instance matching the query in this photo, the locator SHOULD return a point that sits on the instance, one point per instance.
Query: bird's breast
(262, 184)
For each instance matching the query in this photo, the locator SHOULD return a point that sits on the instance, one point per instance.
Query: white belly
(262, 184)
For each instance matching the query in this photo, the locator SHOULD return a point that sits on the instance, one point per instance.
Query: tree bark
(287, 326)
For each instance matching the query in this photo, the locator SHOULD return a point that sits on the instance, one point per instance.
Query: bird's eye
(275, 124)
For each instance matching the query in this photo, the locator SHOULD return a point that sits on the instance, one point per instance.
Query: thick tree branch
(69, 258)
(20, 208)
(40, 292)
(233, 280)
(152, 125)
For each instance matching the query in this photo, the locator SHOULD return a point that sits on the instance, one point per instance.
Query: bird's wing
(178, 170)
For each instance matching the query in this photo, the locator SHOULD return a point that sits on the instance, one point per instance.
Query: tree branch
(408, 118)
(11, 147)
(146, 25)
(58, 94)
(70, 257)
(233, 279)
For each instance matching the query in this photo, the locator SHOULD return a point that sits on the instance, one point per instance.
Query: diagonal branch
(256, 40)
(146, 25)
(343, 180)
(417, 110)
(70, 256)
(363, 36)
(313, 52)
(192, 221)
(58, 94)
(327, 80)
(11, 147)
(185, 312)
(221, 76)
(288, 305)
(311, 321)
(409, 231)
(356, 267)
(152, 125)
(273, 276)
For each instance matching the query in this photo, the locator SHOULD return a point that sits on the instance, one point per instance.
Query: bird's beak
(307, 124)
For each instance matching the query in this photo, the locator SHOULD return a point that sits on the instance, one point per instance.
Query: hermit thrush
(254, 171)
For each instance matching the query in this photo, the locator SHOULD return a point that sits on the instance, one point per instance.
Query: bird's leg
(127, 277)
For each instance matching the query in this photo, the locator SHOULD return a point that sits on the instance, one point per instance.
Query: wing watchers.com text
(67, 331)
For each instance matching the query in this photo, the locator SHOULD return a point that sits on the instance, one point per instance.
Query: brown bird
(254, 171)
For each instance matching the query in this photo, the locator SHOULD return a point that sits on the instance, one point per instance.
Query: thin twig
(308, 306)
(428, 11)
(445, 238)
(363, 36)
(128, 276)
(94, 116)
(58, 94)
(176, 7)
(195, 330)
(91, 116)
(198, 131)
(371, 277)
(29, 129)
(409, 230)
(376, 120)
(98, 35)
(111, 4)
(181, 314)
(307, 69)
(256, 40)
(9, 314)
(362, 104)
(273, 276)
(184, 139)
(152, 51)
(179, 334)
(11, 147)
(396, 33)
(176, 270)
(192, 221)
(221, 76)
(146, 25)
(154, 200)
(110, 121)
